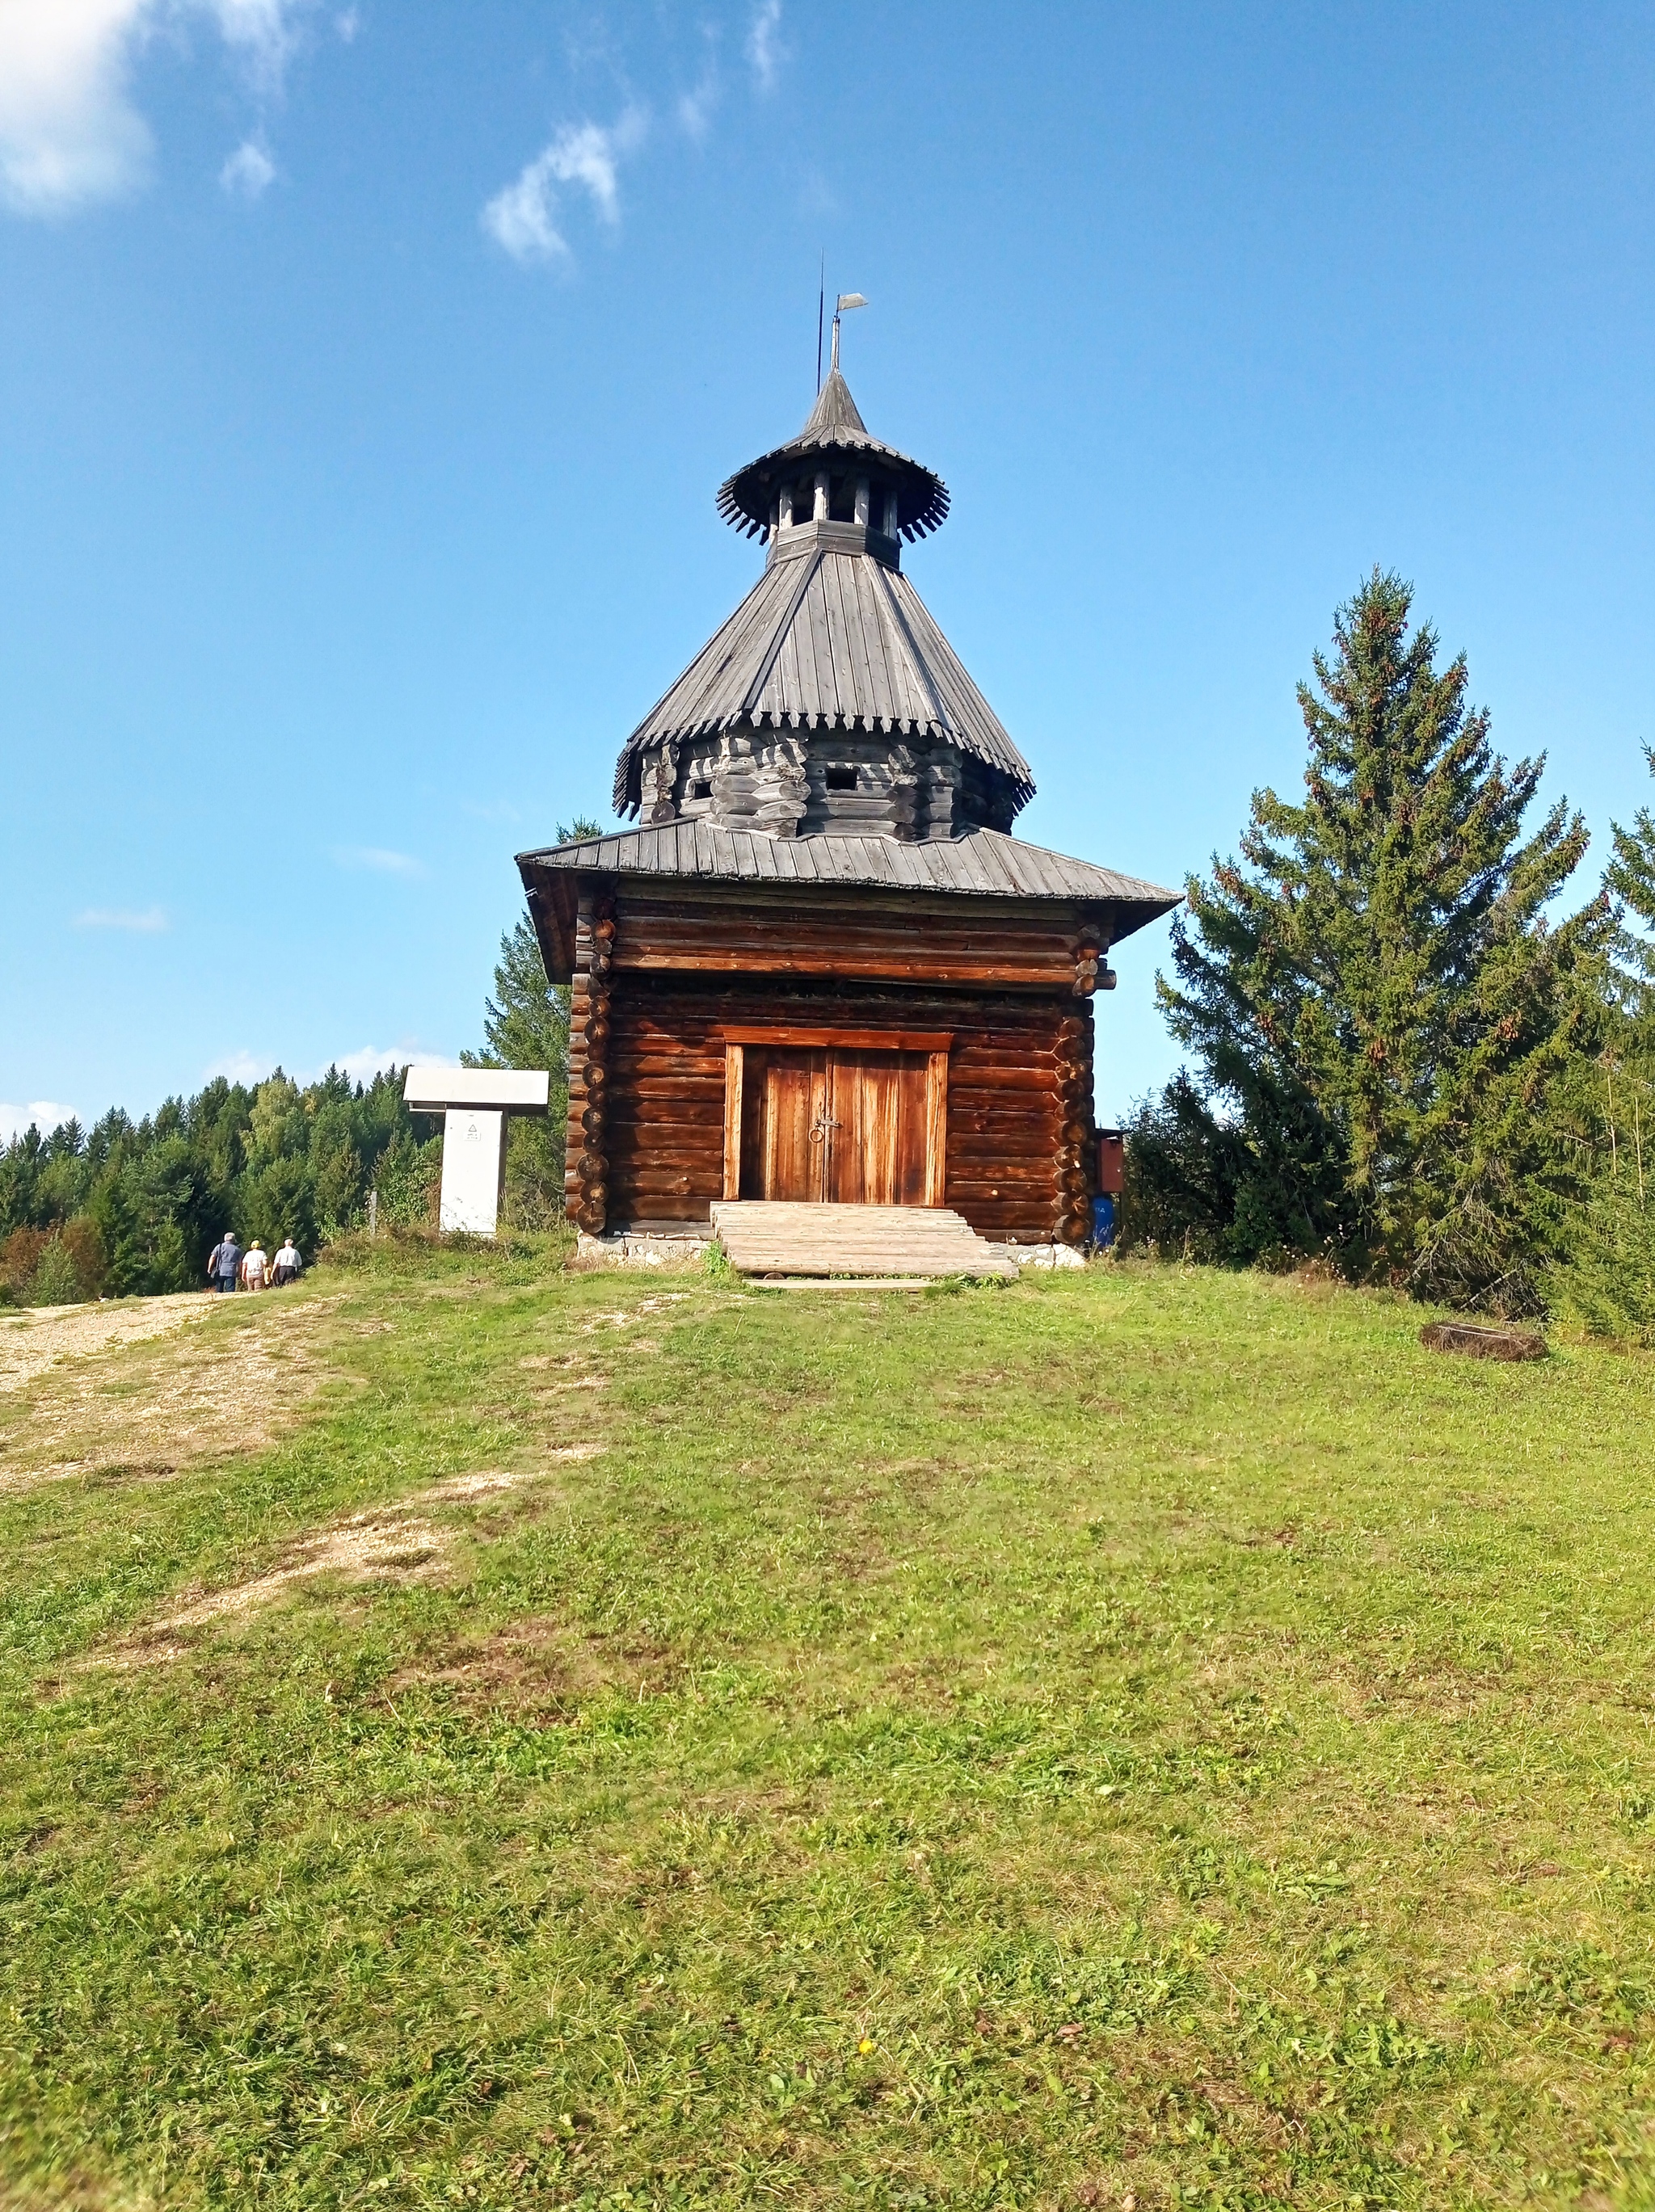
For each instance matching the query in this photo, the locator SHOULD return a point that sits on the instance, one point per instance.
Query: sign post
(474, 1102)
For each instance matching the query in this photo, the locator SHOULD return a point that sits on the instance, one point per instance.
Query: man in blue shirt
(224, 1262)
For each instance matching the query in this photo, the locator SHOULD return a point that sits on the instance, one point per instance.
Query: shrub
(55, 1282)
(84, 1245)
(1607, 1282)
(20, 1255)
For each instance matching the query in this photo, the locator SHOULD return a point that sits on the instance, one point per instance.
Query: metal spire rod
(842, 305)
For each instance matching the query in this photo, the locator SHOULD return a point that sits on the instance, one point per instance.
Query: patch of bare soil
(625, 1319)
(38, 1338)
(393, 1543)
(93, 1396)
(488, 1479)
(69, 2193)
(369, 1546)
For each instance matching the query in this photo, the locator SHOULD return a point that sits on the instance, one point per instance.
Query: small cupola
(835, 484)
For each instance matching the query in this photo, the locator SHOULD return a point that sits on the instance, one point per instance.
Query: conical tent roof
(830, 638)
(835, 431)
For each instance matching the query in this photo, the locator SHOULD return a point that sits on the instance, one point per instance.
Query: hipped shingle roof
(828, 639)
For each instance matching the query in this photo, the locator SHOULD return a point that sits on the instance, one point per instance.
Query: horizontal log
(801, 920)
(745, 924)
(899, 962)
(670, 1067)
(650, 1141)
(651, 1120)
(708, 1165)
(1011, 1182)
(653, 1007)
(969, 1155)
(790, 1035)
(660, 1055)
(652, 1084)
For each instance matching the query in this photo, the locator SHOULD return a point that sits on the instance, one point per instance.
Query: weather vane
(841, 305)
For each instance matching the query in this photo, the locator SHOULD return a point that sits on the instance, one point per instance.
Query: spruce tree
(1378, 1005)
(1630, 879)
(1606, 1278)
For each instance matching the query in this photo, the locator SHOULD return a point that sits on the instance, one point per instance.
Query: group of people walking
(229, 1268)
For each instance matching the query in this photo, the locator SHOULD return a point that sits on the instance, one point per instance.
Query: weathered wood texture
(1483, 1343)
(679, 932)
(647, 1072)
(851, 1125)
(865, 1239)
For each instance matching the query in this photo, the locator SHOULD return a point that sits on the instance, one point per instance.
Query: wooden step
(767, 1238)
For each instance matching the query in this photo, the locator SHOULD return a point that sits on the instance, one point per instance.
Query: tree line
(134, 1208)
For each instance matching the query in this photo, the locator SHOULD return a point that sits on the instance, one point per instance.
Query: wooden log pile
(1481, 1343)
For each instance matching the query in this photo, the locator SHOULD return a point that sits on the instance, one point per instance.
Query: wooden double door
(844, 1123)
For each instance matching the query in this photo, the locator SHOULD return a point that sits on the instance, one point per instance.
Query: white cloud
(249, 170)
(240, 1067)
(68, 132)
(151, 919)
(70, 135)
(347, 24)
(522, 219)
(362, 1066)
(378, 860)
(697, 108)
(43, 1114)
(764, 48)
(265, 33)
(519, 218)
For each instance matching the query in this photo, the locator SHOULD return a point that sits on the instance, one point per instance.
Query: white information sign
(473, 1169)
(474, 1102)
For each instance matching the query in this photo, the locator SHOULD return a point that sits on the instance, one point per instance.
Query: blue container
(1103, 1221)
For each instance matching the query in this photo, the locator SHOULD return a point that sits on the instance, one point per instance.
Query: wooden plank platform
(765, 1238)
(843, 1282)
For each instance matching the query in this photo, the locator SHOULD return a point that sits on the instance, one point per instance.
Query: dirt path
(37, 1338)
(89, 1390)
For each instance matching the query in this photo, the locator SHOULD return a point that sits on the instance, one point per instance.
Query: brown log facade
(667, 989)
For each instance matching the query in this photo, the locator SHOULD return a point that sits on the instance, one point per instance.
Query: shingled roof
(835, 429)
(981, 863)
(828, 639)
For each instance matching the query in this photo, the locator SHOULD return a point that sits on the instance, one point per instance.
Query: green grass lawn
(1148, 1736)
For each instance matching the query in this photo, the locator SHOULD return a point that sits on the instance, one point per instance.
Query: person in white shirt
(288, 1263)
(252, 1267)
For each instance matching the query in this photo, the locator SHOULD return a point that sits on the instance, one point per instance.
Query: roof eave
(1131, 904)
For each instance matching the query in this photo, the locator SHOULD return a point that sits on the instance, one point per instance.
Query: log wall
(884, 938)
(658, 980)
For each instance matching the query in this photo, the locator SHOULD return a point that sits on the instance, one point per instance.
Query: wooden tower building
(822, 967)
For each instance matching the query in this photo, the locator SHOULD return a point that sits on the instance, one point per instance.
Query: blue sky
(366, 373)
